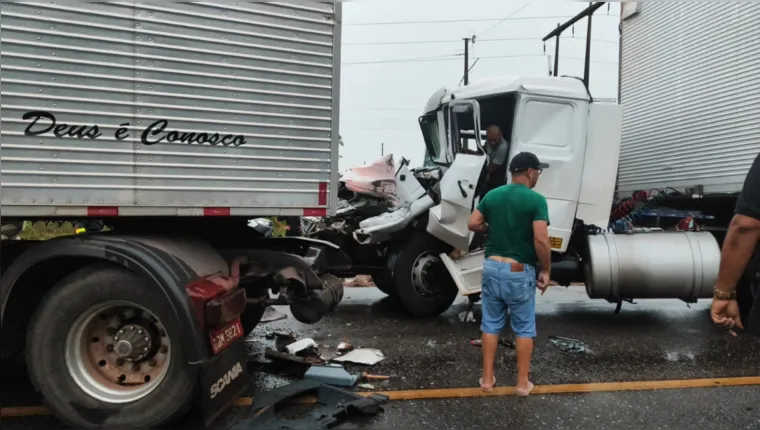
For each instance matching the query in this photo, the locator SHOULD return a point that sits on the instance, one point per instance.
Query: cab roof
(564, 87)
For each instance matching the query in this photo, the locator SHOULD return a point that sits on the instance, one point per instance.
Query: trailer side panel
(169, 108)
(690, 94)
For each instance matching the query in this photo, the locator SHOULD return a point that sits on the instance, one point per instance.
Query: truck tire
(424, 286)
(103, 350)
(384, 282)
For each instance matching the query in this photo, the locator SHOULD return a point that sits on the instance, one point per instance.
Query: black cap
(524, 161)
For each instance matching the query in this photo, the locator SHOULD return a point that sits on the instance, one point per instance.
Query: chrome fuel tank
(681, 265)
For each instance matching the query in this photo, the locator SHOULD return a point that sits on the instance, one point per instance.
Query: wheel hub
(117, 353)
(425, 273)
(132, 342)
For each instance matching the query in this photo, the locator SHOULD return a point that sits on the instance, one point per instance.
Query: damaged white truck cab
(556, 119)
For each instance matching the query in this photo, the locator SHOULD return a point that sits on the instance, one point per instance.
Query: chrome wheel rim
(117, 352)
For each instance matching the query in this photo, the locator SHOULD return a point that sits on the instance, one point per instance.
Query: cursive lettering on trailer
(158, 132)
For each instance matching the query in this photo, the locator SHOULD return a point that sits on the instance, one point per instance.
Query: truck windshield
(434, 151)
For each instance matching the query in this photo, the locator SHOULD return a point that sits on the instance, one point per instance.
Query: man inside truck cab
(497, 150)
(739, 246)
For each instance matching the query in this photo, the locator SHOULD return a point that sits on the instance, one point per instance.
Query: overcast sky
(383, 94)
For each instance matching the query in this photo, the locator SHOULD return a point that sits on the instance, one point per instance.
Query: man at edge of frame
(738, 247)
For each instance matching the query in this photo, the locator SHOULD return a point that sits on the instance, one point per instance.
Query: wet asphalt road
(651, 340)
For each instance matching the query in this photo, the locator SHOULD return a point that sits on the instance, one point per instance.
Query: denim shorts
(507, 292)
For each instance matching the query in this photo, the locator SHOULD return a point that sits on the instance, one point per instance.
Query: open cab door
(448, 220)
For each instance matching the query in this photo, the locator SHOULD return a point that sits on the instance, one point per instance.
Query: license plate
(223, 337)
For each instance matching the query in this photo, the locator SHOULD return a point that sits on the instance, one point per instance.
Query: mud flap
(467, 271)
(334, 406)
(223, 379)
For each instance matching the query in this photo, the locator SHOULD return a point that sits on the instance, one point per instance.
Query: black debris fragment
(334, 406)
(565, 344)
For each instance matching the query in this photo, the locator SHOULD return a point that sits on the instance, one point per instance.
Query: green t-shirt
(510, 211)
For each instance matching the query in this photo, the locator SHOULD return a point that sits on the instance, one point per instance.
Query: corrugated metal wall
(263, 73)
(690, 90)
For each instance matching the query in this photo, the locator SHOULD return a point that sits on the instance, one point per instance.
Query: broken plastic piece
(366, 356)
(332, 375)
(271, 314)
(328, 353)
(335, 405)
(565, 344)
(298, 346)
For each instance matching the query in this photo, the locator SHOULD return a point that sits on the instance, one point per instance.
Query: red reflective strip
(216, 211)
(322, 194)
(315, 212)
(102, 211)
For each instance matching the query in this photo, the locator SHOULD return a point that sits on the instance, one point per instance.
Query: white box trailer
(690, 95)
(159, 109)
(173, 123)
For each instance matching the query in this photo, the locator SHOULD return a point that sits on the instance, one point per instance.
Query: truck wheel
(423, 284)
(104, 352)
(384, 282)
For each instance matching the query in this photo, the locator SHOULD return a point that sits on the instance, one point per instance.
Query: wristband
(722, 295)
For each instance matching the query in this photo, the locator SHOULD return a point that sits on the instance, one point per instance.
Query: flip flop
(486, 388)
(524, 392)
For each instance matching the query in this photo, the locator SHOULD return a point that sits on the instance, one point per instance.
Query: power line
(504, 19)
(504, 39)
(458, 58)
(448, 21)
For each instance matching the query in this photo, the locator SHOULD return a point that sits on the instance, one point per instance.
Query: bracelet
(722, 295)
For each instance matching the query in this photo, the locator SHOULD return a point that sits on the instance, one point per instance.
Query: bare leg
(489, 345)
(524, 347)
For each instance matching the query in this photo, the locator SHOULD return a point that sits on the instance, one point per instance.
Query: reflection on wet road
(649, 341)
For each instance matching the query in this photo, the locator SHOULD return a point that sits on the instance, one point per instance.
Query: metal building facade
(690, 94)
(197, 105)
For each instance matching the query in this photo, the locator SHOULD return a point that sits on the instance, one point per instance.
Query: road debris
(332, 374)
(284, 356)
(367, 356)
(328, 353)
(366, 386)
(272, 314)
(565, 344)
(301, 346)
(344, 347)
(368, 377)
(467, 317)
(359, 281)
(335, 406)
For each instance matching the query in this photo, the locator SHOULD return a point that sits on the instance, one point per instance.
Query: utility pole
(467, 61)
(382, 149)
(556, 54)
(587, 68)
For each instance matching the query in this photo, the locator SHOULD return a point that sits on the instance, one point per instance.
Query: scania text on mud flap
(158, 156)
(225, 380)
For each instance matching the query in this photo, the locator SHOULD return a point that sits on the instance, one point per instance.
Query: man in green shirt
(516, 219)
